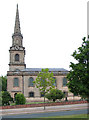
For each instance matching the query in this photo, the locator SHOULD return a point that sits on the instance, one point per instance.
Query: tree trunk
(44, 100)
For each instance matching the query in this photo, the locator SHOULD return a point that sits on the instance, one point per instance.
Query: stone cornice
(17, 64)
(32, 73)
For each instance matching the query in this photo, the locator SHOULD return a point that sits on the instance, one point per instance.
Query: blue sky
(52, 30)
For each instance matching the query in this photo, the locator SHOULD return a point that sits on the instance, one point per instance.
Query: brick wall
(42, 104)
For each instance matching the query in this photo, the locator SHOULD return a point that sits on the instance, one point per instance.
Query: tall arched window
(31, 94)
(30, 82)
(17, 57)
(16, 82)
(64, 81)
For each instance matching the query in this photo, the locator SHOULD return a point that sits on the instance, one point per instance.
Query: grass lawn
(34, 102)
(31, 103)
(67, 117)
(70, 116)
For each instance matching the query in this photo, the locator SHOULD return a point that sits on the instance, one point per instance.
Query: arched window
(16, 82)
(30, 82)
(64, 81)
(17, 57)
(31, 94)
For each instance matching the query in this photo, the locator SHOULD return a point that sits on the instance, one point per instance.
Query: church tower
(17, 51)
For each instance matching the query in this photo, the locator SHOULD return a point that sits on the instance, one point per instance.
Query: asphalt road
(47, 114)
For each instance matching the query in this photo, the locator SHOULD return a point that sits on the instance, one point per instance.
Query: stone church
(19, 78)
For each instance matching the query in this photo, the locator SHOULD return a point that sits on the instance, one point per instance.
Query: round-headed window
(30, 82)
(16, 82)
(31, 94)
(17, 57)
(64, 82)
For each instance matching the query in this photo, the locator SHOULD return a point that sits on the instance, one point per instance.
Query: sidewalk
(41, 109)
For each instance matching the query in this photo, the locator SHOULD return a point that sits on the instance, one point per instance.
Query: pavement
(30, 110)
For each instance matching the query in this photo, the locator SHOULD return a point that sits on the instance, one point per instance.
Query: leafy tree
(20, 99)
(3, 83)
(78, 77)
(6, 98)
(44, 82)
(55, 94)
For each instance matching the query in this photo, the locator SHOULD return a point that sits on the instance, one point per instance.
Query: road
(34, 112)
(47, 114)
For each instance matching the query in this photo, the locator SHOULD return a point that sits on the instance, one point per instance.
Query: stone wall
(42, 104)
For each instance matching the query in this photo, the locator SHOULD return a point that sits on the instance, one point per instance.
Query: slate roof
(50, 69)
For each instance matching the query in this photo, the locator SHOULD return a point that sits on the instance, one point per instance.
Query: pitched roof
(50, 69)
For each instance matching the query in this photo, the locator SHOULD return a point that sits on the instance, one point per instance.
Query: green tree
(3, 83)
(20, 99)
(78, 77)
(55, 94)
(44, 82)
(6, 98)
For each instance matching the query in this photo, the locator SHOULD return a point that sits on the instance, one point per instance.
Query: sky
(52, 30)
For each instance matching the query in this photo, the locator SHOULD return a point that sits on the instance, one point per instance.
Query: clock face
(16, 47)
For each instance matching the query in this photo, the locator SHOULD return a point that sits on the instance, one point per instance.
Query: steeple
(17, 22)
(17, 31)
(17, 36)
(17, 51)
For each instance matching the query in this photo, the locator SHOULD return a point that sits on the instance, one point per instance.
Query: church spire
(17, 31)
(17, 22)
(17, 36)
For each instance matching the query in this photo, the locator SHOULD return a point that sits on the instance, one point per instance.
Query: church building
(19, 78)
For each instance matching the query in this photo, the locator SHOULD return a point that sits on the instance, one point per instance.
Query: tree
(44, 82)
(3, 83)
(55, 94)
(6, 98)
(20, 99)
(78, 77)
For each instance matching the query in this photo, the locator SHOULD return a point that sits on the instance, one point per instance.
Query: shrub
(55, 94)
(3, 83)
(20, 99)
(6, 98)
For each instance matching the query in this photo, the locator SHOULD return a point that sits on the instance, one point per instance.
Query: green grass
(30, 103)
(70, 116)
(33, 103)
(67, 117)
(43, 102)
